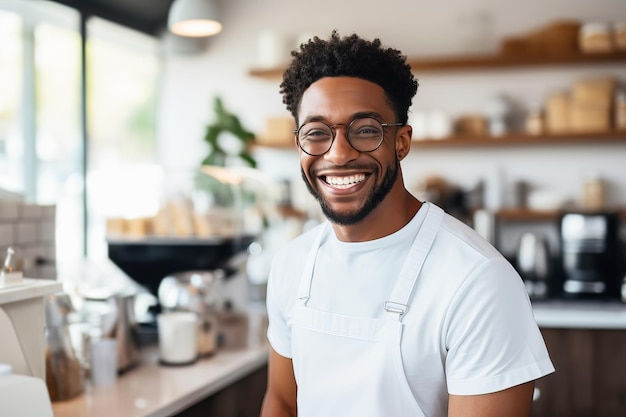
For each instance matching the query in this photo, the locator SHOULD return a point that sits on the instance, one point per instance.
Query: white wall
(417, 28)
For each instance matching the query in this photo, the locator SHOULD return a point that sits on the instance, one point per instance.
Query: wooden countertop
(155, 390)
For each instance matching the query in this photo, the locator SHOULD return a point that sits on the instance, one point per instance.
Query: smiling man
(392, 308)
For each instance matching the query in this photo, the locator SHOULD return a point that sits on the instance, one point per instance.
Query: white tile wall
(47, 231)
(27, 233)
(31, 212)
(30, 230)
(48, 212)
(9, 210)
(7, 233)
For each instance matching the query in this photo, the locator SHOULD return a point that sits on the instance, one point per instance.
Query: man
(392, 308)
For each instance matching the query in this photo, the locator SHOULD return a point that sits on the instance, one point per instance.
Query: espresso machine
(590, 254)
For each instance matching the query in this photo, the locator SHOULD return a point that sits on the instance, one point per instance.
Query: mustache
(351, 166)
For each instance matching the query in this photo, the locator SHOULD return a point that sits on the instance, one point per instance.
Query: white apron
(352, 366)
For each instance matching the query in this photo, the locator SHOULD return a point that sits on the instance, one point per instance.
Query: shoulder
(296, 250)
(475, 256)
(288, 261)
(464, 263)
(462, 236)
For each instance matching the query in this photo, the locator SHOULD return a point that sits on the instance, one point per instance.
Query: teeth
(345, 182)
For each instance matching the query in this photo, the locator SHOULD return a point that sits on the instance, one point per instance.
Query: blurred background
(127, 151)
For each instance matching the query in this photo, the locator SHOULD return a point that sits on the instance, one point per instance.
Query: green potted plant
(226, 122)
(228, 144)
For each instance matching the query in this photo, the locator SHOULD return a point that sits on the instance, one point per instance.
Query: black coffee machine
(590, 254)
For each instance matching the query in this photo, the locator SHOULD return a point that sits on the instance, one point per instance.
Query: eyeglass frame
(347, 127)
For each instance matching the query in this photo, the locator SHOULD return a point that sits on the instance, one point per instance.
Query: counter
(154, 390)
(570, 314)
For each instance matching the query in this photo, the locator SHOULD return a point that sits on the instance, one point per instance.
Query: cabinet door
(590, 377)
(610, 373)
(241, 399)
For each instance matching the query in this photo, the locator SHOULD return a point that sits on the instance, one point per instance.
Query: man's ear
(403, 141)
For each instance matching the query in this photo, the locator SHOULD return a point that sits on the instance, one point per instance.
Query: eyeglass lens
(364, 134)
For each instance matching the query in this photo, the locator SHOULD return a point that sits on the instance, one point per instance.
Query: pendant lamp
(193, 18)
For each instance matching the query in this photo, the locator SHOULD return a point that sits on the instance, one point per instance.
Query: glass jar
(534, 122)
(593, 193)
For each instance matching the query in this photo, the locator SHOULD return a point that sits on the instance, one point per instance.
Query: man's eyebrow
(372, 114)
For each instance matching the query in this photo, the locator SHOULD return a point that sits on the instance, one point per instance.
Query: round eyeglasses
(365, 134)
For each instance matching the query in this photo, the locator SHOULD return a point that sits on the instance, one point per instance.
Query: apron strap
(304, 289)
(397, 305)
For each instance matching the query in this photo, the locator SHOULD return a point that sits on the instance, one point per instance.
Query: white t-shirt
(469, 328)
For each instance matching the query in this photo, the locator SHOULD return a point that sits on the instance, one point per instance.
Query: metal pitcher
(125, 330)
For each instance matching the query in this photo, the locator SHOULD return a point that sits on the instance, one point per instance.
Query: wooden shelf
(502, 141)
(268, 73)
(520, 139)
(469, 62)
(526, 215)
(287, 146)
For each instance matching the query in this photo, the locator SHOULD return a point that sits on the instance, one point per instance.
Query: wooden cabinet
(241, 399)
(590, 377)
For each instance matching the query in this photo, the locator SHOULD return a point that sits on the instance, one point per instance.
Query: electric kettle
(533, 263)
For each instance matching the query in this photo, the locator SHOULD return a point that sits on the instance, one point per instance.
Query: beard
(375, 197)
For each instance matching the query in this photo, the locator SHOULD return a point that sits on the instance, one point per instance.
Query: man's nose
(341, 152)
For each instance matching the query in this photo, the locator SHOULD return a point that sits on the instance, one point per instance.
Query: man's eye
(366, 131)
(316, 135)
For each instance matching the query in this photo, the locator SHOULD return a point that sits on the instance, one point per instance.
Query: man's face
(349, 184)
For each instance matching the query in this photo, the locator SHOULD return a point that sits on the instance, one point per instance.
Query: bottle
(534, 121)
(64, 376)
(593, 192)
(620, 110)
(8, 273)
(8, 261)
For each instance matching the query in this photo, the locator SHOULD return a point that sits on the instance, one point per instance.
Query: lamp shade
(193, 18)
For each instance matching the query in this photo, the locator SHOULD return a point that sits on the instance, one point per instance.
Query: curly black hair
(351, 56)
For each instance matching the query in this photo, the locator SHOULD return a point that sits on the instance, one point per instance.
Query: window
(122, 75)
(11, 141)
(58, 135)
(41, 134)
